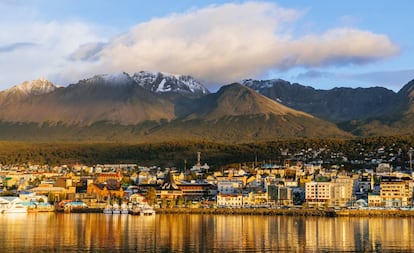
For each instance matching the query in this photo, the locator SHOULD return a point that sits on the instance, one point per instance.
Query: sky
(323, 44)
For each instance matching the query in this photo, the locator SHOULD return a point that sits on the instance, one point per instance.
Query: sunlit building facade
(396, 191)
(230, 200)
(318, 193)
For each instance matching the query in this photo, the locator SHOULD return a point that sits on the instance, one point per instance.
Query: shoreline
(268, 212)
(288, 212)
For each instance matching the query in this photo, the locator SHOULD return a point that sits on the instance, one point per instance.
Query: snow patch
(165, 82)
(36, 87)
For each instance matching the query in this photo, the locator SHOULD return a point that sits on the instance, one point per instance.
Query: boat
(12, 205)
(40, 207)
(107, 209)
(15, 208)
(143, 210)
(124, 209)
(116, 209)
(147, 212)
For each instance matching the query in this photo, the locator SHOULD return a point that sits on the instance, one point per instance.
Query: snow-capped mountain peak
(35, 87)
(262, 84)
(114, 79)
(160, 82)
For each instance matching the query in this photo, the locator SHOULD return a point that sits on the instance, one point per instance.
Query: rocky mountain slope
(335, 105)
(397, 121)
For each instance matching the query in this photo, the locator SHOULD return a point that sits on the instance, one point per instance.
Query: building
(103, 177)
(374, 200)
(197, 191)
(280, 195)
(230, 200)
(169, 189)
(396, 191)
(343, 191)
(318, 193)
(111, 188)
(229, 186)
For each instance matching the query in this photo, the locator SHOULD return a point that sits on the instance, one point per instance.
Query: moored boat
(15, 208)
(116, 209)
(124, 209)
(107, 209)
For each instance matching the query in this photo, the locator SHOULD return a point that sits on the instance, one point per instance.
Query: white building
(318, 193)
(230, 200)
(229, 186)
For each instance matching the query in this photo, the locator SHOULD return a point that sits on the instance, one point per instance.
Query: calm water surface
(50, 232)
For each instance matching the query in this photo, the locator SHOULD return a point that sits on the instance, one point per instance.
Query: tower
(198, 159)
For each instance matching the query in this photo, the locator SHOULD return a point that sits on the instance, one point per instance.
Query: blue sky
(323, 44)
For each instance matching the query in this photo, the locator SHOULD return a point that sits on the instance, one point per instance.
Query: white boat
(124, 209)
(108, 209)
(12, 205)
(147, 210)
(116, 209)
(15, 208)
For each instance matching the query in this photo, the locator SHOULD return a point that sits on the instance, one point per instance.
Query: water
(50, 232)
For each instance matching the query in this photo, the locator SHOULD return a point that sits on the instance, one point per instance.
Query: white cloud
(217, 44)
(35, 49)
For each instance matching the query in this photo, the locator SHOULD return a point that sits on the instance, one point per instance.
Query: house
(230, 200)
(111, 188)
(103, 177)
(169, 189)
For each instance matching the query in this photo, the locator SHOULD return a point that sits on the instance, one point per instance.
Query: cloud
(87, 52)
(217, 44)
(393, 79)
(225, 43)
(44, 50)
(314, 74)
(16, 46)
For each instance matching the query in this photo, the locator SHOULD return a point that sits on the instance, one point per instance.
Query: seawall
(289, 212)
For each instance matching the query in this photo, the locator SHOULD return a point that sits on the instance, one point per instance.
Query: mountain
(239, 114)
(397, 121)
(114, 98)
(170, 83)
(120, 107)
(335, 105)
(33, 88)
(238, 100)
(406, 97)
(158, 107)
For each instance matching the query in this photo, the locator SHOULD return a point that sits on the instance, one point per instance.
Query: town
(301, 180)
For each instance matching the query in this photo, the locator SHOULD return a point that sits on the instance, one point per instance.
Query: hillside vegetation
(174, 153)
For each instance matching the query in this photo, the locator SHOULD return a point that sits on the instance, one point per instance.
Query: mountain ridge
(156, 106)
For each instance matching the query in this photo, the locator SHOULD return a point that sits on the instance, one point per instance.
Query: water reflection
(45, 232)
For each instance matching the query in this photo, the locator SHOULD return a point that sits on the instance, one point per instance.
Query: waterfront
(58, 232)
